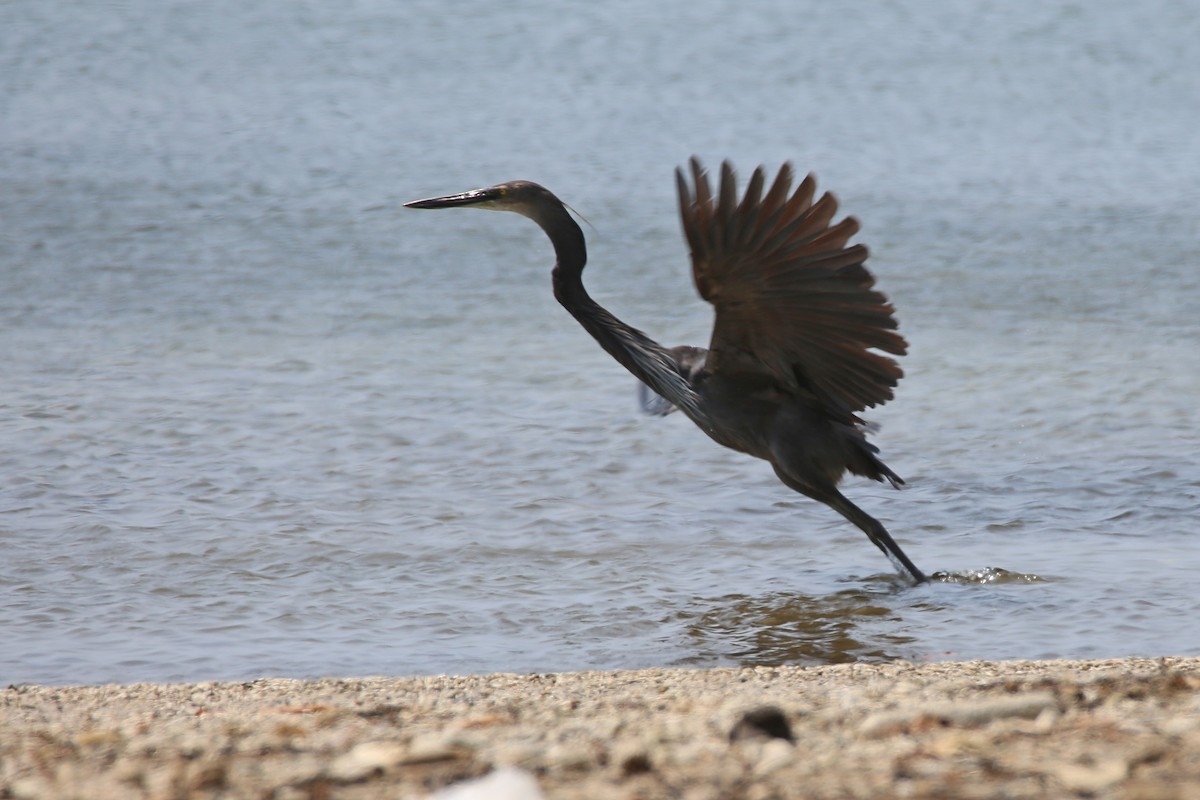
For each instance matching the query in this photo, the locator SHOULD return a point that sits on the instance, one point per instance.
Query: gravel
(1127, 728)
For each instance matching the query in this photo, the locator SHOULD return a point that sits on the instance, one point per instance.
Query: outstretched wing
(794, 304)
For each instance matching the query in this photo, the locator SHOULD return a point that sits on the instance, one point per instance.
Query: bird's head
(524, 197)
(529, 200)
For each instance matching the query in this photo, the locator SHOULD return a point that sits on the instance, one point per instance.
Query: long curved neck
(646, 359)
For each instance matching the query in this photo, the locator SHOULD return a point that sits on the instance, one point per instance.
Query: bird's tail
(865, 462)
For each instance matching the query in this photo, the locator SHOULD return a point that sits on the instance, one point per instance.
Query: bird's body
(792, 359)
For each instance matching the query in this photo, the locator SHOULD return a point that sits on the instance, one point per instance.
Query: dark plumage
(795, 350)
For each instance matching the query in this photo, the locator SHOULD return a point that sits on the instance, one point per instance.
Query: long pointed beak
(471, 198)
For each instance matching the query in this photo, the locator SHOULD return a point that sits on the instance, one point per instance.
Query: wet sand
(1127, 728)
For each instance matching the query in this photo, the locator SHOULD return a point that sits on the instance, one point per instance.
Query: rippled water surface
(258, 419)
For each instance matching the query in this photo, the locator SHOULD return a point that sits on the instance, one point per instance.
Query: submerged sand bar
(1127, 728)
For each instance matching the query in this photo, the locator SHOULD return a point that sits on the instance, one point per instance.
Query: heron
(802, 342)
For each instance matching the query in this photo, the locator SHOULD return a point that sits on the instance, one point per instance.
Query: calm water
(258, 419)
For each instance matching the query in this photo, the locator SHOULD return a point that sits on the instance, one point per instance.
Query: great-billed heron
(795, 349)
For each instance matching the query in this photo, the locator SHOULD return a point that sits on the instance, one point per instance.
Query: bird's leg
(872, 527)
(875, 531)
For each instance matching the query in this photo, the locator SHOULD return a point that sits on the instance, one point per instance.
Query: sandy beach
(1127, 728)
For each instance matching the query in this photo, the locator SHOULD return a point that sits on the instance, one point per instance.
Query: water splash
(988, 575)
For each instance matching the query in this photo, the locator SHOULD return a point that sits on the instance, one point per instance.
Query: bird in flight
(801, 345)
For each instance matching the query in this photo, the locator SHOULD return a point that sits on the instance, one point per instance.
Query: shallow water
(260, 420)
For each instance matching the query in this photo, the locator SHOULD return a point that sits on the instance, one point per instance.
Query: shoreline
(1127, 728)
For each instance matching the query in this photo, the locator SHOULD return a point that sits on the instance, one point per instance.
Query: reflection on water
(794, 628)
(856, 624)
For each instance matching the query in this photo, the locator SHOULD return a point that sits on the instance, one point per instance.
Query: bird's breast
(739, 416)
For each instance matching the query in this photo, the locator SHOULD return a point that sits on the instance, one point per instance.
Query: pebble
(364, 760)
(1091, 778)
(968, 713)
(632, 758)
(774, 755)
(764, 721)
(433, 747)
(506, 783)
